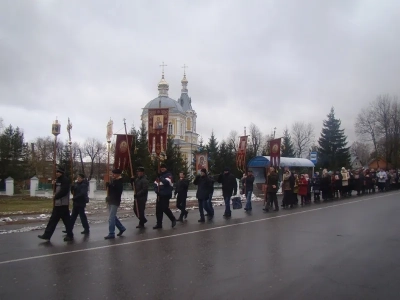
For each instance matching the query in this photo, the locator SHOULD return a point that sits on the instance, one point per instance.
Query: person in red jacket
(303, 185)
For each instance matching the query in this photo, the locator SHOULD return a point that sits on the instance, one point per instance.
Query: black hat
(81, 175)
(116, 171)
(163, 166)
(60, 170)
(203, 171)
(140, 169)
(226, 169)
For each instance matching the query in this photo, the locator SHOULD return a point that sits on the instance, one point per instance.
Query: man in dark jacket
(163, 188)
(272, 189)
(60, 209)
(79, 200)
(247, 182)
(115, 189)
(229, 188)
(140, 196)
(204, 186)
(181, 190)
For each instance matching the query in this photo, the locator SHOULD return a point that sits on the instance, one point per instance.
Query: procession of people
(331, 185)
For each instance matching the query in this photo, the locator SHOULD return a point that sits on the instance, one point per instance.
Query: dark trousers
(181, 204)
(162, 207)
(139, 205)
(203, 205)
(272, 198)
(79, 210)
(59, 212)
(287, 198)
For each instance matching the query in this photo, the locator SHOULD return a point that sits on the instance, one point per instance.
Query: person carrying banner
(60, 209)
(115, 189)
(163, 188)
(141, 192)
(272, 189)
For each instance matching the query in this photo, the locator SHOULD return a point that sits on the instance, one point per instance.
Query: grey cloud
(270, 63)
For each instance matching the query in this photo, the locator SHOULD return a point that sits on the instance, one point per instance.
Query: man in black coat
(79, 200)
(229, 188)
(163, 188)
(140, 196)
(60, 209)
(204, 186)
(181, 189)
(115, 189)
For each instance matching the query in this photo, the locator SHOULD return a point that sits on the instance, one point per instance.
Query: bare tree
(362, 151)
(233, 140)
(92, 149)
(380, 124)
(367, 127)
(256, 139)
(303, 137)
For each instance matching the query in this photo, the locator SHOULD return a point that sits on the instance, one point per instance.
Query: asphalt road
(346, 249)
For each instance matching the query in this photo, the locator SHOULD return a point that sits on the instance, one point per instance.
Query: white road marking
(190, 232)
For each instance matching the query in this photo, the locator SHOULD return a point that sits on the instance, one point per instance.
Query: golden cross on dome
(163, 65)
(184, 69)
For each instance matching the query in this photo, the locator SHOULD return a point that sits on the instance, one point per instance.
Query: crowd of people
(296, 188)
(333, 185)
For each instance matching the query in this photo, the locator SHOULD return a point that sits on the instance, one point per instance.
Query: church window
(188, 124)
(170, 128)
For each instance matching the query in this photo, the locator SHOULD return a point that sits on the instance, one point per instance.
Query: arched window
(170, 128)
(189, 124)
(182, 129)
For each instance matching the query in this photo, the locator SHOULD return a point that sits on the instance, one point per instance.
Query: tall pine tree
(287, 145)
(175, 161)
(333, 152)
(140, 152)
(212, 149)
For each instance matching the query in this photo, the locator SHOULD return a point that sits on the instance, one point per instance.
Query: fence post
(92, 188)
(34, 186)
(9, 186)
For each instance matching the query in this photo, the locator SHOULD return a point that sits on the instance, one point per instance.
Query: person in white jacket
(382, 177)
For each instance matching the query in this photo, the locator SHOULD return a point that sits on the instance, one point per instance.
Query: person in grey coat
(60, 209)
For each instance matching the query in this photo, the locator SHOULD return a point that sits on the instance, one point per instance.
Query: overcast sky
(267, 62)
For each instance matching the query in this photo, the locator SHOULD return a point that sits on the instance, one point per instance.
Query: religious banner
(241, 154)
(275, 152)
(158, 128)
(121, 158)
(201, 161)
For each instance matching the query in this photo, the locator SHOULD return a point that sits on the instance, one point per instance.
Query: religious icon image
(158, 122)
(202, 163)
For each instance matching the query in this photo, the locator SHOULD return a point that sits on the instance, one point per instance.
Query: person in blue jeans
(115, 189)
(229, 188)
(247, 182)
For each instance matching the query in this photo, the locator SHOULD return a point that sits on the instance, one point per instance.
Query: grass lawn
(24, 204)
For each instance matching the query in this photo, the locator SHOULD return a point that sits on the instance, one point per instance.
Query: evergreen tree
(140, 152)
(287, 145)
(14, 155)
(65, 160)
(212, 149)
(333, 152)
(175, 161)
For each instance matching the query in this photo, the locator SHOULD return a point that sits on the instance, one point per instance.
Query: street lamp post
(55, 130)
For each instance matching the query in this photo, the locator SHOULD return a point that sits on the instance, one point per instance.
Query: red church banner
(241, 154)
(275, 152)
(122, 147)
(158, 128)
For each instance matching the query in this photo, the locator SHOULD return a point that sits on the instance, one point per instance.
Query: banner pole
(131, 167)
